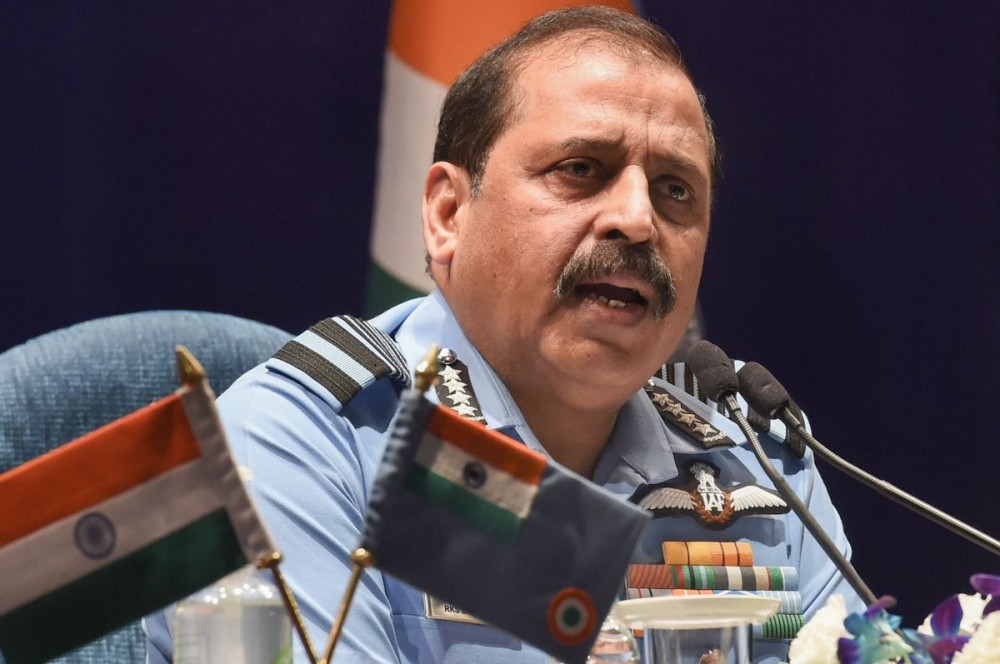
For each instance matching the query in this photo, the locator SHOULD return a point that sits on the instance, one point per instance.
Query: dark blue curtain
(221, 156)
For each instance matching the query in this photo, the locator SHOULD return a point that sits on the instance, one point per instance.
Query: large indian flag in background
(430, 43)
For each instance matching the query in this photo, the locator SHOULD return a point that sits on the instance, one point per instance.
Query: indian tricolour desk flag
(430, 42)
(483, 522)
(119, 523)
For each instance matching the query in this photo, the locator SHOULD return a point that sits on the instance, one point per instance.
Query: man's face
(605, 167)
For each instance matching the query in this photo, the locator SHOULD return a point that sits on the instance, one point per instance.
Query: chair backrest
(63, 384)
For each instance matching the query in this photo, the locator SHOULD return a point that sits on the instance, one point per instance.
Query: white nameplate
(437, 609)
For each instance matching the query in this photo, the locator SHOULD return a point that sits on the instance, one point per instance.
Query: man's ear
(447, 192)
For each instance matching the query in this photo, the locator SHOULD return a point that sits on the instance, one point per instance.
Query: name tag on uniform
(437, 609)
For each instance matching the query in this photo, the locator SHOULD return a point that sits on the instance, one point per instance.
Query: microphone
(767, 396)
(718, 380)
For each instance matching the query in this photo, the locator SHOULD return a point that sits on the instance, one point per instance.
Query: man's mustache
(609, 257)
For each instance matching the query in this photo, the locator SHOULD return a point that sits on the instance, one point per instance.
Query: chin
(607, 366)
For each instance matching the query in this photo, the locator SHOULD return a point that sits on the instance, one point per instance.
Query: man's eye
(678, 192)
(579, 168)
(675, 191)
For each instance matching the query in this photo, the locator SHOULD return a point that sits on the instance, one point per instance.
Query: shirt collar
(433, 322)
(641, 441)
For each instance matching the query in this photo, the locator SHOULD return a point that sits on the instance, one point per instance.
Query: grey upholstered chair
(63, 384)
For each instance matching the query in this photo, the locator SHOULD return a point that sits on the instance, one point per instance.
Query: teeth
(614, 304)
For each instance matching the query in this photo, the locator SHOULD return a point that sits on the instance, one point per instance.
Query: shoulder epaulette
(344, 355)
(676, 412)
(685, 380)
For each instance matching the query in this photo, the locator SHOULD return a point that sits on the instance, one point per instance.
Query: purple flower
(876, 636)
(946, 622)
(987, 584)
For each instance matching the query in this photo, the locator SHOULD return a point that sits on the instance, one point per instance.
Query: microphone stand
(770, 398)
(890, 491)
(843, 564)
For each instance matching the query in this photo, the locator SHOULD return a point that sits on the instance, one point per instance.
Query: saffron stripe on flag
(176, 566)
(464, 30)
(126, 457)
(490, 483)
(179, 497)
(488, 446)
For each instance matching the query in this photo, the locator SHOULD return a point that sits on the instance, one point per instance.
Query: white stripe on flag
(49, 558)
(342, 360)
(500, 488)
(410, 103)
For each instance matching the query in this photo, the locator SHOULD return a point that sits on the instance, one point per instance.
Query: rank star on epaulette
(453, 390)
(460, 398)
(703, 498)
(694, 425)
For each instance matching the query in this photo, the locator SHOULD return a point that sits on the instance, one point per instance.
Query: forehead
(588, 90)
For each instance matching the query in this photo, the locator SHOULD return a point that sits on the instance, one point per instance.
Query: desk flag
(121, 522)
(481, 521)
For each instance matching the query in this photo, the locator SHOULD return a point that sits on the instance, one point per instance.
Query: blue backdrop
(221, 156)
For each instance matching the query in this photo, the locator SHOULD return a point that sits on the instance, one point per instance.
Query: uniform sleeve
(308, 470)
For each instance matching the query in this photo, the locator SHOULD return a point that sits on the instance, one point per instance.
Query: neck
(573, 436)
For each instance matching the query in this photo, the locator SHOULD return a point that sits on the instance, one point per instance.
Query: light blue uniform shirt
(311, 468)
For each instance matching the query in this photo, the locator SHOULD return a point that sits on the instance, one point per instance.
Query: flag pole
(361, 558)
(192, 373)
(271, 562)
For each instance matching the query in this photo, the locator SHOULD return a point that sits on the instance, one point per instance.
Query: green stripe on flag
(385, 291)
(165, 571)
(447, 459)
(477, 512)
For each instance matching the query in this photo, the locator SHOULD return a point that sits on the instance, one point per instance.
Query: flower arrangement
(963, 629)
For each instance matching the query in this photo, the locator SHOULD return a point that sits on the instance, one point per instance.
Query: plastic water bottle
(239, 620)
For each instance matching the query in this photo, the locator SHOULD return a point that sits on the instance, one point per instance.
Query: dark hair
(480, 104)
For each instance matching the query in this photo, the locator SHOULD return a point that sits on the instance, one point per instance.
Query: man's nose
(628, 214)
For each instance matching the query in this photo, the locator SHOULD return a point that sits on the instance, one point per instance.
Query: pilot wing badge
(702, 497)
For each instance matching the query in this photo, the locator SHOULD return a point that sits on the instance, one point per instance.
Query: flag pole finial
(189, 369)
(427, 369)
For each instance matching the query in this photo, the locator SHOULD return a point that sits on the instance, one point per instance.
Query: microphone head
(713, 369)
(762, 390)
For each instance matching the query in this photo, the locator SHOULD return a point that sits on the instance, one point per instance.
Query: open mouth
(615, 297)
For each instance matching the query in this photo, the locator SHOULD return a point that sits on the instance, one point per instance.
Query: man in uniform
(565, 219)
